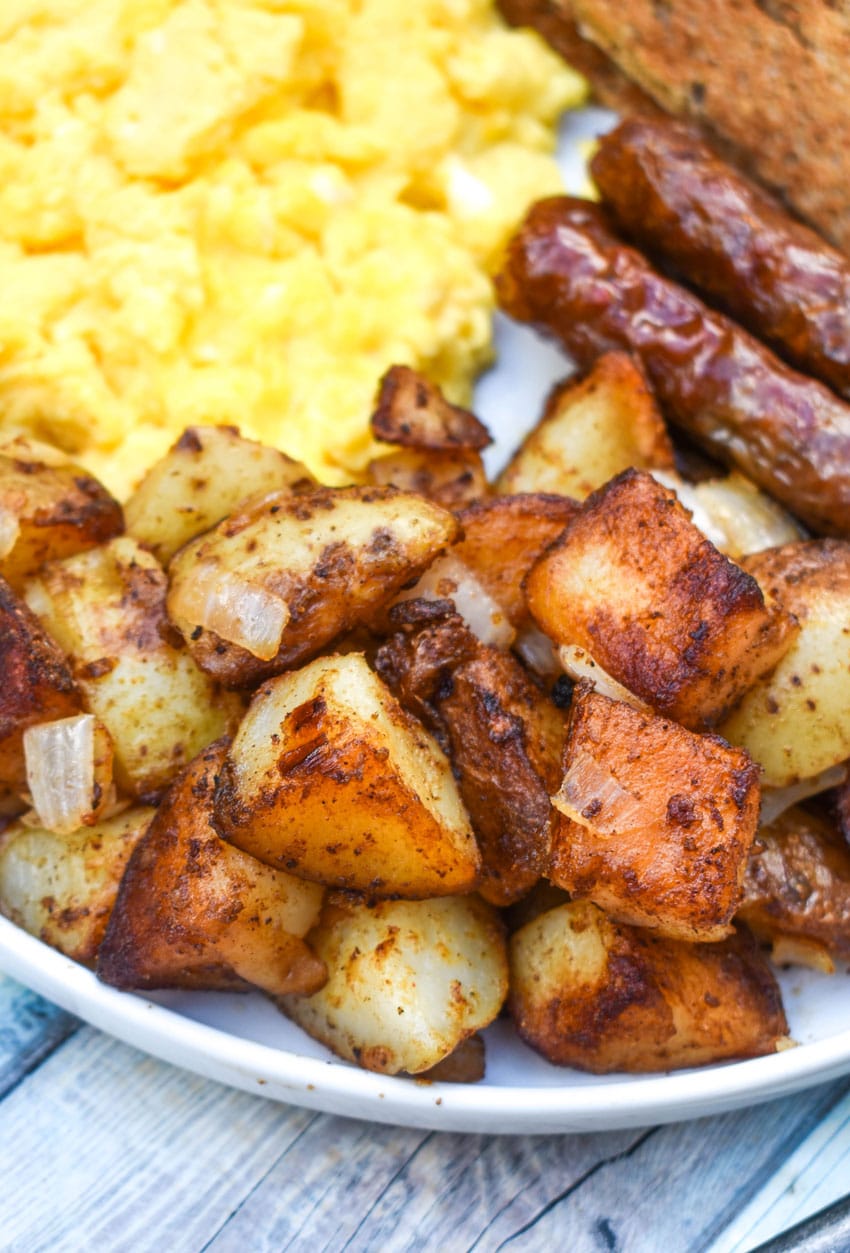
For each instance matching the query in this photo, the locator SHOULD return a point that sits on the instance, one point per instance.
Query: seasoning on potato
(244, 213)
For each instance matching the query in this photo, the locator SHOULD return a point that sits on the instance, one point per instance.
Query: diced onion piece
(66, 766)
(796, 950)
(775, 800)
(9, 531)
(241, 612)
(733, 513)
(591, 778)
(448, 578)
(579, 664)
(538, 652)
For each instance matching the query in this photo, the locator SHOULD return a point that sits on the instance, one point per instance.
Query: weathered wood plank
(30, 1029)
(814, 1176)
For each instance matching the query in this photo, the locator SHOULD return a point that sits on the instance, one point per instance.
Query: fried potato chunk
(37, 682)
(657, 822)
(106, 609)
(203, 477)
(270, 586)
(797, 890)
(195, 912)
(634, 583)
(49, 508)
(329, 777)
(503, 537)
(504, 739)
(592, 428)
(62, 888)
(452, 478)
(413, 412)
(600, 996)
(408, 980)
(796, 722)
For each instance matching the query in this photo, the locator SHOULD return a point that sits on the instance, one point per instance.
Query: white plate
(245, 1042)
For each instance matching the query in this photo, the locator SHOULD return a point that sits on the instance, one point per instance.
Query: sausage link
(668, 191)
(568, 274)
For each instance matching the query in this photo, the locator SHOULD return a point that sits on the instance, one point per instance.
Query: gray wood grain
(30, 1029)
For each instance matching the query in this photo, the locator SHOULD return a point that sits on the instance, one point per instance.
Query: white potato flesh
(408, 980)
(106, 609)
(199, 481)
(796, 722)
(62, 888)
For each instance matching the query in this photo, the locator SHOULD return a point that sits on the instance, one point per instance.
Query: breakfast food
(568, 273)
(672, 195)
(765, 82)
(244, 213)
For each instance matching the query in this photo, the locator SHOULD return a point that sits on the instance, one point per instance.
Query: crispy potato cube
(408, 981)
(195, 912)
(503, 537)
(657, 821)
(600, 996)
(452, 478)
(37, 682)
(593, 428)
(49, 508)
(796, 721)
(413, 412)
(503, 737)
(208, 472)
(62, 888)
(634, 583)
(106, 609)
(329, 777)
(797, 888)
(290, 573)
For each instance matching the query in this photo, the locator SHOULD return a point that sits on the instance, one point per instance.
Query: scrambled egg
(244, 210)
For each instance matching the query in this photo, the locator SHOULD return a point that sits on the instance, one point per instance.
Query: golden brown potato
(657, 822)
(592, 428)
(633, 582)
(408, 981)
(49, 508)
(195, 912)
(37, 684)
(328, 777)
(796, 721)
(208, 472)
(452, 478)
(106, 609)
(62, 888)
(797, 889)
(503, 737)
(503, 537)
(601, 996)
(270, 586)
(413, 412)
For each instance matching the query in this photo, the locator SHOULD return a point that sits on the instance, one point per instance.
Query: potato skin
(602, 996)
(797, 883)
(503, 537)
(62, 888)
(503, 737)
(59, 507)
(796, 721)
(659, 821)
(334, 556)
(451, 478)
(106, 609)
(413, 412)
(330, 778)
(408, 981)
(663, 611)
(194, 912)
(37, 682)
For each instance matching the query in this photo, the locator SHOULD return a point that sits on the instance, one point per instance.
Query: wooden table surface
(104, 1148)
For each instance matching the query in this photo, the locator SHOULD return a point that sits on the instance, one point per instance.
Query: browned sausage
(670, 193)
(569, 275)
